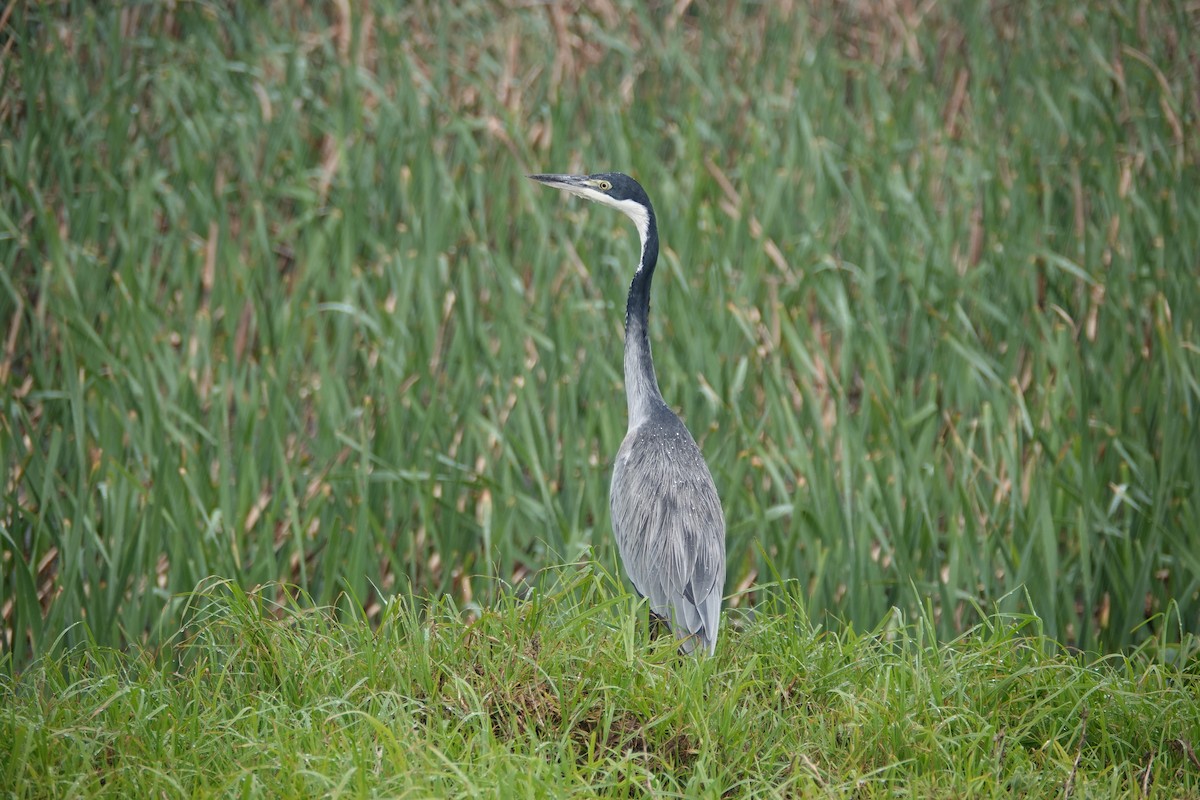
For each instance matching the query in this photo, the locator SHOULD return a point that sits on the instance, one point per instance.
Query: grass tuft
(562, 692)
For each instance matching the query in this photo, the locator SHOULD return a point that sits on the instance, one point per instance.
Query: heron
(666, 515)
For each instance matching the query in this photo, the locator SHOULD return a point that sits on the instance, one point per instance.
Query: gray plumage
(666, 514)
(669, 527)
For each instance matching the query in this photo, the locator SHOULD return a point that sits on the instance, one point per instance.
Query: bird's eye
(604, 185)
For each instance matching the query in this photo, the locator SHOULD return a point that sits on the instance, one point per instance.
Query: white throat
(635, 211)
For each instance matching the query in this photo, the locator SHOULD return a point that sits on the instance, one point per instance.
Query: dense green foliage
(560, 695)
(276, 303)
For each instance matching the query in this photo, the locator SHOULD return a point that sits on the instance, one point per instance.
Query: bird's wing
(670, 529)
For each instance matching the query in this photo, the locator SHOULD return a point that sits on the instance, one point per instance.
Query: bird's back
(669, 526)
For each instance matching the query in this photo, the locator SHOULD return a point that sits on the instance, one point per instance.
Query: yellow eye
(604, 186)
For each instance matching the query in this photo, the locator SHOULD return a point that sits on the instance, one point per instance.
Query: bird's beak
(560, 181)
(575, 184)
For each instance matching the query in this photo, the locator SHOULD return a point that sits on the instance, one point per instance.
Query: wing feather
(670, 528)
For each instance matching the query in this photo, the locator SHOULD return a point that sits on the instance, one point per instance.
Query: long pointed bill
(581, 185)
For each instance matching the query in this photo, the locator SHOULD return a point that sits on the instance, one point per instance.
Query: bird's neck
(641, 386)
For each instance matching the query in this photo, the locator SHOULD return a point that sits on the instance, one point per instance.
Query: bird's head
(614, 189)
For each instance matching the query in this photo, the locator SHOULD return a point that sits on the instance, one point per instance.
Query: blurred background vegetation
(276, 302)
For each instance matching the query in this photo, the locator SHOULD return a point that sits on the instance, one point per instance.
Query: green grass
(560, 694)
(278, 306)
